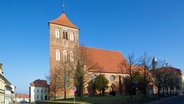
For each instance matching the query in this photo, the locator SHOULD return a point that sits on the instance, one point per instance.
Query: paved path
(170, 100)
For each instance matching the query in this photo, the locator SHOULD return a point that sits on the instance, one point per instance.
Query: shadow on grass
(125, 99)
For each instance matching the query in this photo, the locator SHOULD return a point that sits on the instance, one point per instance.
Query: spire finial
(63, 6)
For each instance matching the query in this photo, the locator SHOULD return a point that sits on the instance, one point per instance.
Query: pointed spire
(63, 7)
(63, 20)
(154, 63)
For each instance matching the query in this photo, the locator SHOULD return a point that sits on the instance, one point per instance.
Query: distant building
(7, 91)
(22, 98)
(2, 84)
(182, 86)
(38, 90)
(171, 77)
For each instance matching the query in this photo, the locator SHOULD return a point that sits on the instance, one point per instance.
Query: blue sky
(130, 26)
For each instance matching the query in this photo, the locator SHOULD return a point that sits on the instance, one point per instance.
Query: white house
(7, 91)
(38, 90)
(22, 98)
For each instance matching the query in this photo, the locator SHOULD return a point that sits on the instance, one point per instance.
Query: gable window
(65, 35)
(64, 55)
(71, 56)
(72, 36)
(56, 33)
(57, 55)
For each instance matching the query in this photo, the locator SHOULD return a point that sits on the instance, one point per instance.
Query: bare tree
(158, 76)
(131, 68)
(55, 82)
(145, 62)
(60, 79)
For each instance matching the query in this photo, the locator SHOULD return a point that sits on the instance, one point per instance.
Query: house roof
(63, 20)
(6, 81)
(108, 60)
(39, 83)
(22, 96)
(171, 69)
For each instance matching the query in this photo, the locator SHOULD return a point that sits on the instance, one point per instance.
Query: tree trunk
(159, 91)
(65, 92)
(163, 91)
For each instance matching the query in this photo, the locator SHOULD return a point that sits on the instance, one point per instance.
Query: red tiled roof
(108, 60)
(63, 20)
(39, 83)
(178, 71)
(22, 96)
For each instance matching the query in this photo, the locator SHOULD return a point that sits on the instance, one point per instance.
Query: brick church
(64, 45)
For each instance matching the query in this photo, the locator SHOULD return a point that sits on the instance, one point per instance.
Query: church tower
(154, 63)
(63, 45)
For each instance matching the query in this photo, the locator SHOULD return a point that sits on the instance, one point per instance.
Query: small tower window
(71, 56)
(64, 55)
(57, 33)
(72, 36)
(65, 35)
(57, 55)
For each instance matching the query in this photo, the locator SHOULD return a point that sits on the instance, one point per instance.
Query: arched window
(64, 55)
(65, 35)
(93, 78)
(57, 55)
(71, 56)
(72, 36)
(57, 33)
(67, 78)
(111, 88)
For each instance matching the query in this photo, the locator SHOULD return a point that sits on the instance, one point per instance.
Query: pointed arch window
(57, 55)
(72, 38)
(57, 33)
(64, 55)
(67, 78)
(65, 35)
(71, 56)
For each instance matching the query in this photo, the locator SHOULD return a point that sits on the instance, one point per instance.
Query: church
(64, 46)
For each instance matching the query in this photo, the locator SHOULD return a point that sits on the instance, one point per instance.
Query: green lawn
(104, 99)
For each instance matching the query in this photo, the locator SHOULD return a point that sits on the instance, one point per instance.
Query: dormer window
(57, 33)
(65, 35)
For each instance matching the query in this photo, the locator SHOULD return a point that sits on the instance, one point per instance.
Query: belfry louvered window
(65, 35)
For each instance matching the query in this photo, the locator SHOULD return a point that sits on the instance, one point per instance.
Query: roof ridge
(102, 49)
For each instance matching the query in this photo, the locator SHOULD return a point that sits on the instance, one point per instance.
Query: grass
(138, 99)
